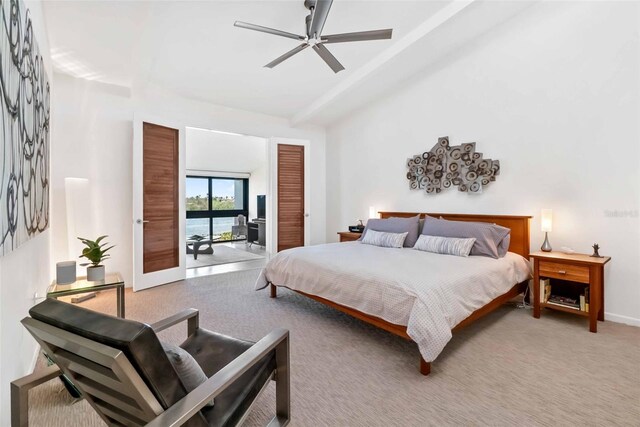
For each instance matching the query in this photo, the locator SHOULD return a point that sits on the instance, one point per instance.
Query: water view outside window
(213, 204)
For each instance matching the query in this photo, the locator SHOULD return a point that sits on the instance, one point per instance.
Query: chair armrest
(20, 393)
(189, 405)
(37, 378)
(191, 315)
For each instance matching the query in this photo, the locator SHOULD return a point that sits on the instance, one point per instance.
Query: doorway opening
(225, 191)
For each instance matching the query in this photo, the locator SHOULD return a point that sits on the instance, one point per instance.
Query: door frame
(141, 280)
(272, 201)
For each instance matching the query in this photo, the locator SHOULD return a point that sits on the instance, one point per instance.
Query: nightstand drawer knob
(562, 271)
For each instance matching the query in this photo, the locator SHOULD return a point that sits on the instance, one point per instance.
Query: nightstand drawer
(557, 270)
(349, 236)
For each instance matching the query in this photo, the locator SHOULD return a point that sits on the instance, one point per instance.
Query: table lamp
(546, 226)
(373, 213)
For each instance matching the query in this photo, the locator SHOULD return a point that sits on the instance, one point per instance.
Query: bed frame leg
(425, 367)
(273, 291)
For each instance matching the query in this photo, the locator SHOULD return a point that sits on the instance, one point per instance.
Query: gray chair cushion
(213, 352)
(190, 373)
(411, 226)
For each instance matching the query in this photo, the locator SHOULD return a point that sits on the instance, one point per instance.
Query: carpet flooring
(222, 254)
(506, 369)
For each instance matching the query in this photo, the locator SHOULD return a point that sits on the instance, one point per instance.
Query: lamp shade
(546, 223)
(372, 212)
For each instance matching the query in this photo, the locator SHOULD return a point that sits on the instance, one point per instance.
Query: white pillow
(445, 245)
(384, 239)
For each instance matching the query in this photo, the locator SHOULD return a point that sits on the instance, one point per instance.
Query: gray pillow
(385, 240)
(445, 245)
(491, 240)
(421, 223)
(396, 225)
(190, 373)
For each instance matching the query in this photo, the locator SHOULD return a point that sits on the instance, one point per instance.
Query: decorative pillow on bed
(491, 240)
(411, 226)
(445, 245)
(187, 368)
(421, 223)
(385, 240)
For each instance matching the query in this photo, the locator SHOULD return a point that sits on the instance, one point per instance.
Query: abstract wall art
(24, 115)
(446, 166)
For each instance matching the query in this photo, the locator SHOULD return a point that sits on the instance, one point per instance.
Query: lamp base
(546, 246)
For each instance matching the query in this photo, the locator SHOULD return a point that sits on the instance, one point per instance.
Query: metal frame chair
(113, 387)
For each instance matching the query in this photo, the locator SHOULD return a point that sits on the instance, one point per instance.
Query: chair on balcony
(239, 229)
(121, 369)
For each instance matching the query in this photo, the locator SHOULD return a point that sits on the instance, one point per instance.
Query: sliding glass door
(213, 203)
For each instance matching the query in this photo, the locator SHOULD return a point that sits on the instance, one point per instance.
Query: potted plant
(95, 252)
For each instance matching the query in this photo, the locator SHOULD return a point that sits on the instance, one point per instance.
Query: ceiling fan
(314, 38)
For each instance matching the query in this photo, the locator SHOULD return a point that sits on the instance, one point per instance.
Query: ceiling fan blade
(359, 36)
(331, 60)
(267, 30)
(287, 55)
(320, 13)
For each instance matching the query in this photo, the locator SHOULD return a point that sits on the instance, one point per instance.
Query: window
(213, 204)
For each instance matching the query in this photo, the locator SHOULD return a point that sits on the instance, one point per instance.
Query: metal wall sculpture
(24, 111)
(445, 166)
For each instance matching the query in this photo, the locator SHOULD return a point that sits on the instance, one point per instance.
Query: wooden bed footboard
(400, 330)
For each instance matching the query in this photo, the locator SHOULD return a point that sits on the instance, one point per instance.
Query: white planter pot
(95, 274)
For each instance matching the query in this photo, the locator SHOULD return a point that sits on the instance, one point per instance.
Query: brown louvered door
(160, 198)
(290, 196)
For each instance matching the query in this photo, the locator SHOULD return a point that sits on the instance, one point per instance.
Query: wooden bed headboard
(519, 225)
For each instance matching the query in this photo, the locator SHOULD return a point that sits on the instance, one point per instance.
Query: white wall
(229, 155)
(93, 124)
(23, 272)
(94, 134)
(209, 150)
(554, 95)
(258, 184)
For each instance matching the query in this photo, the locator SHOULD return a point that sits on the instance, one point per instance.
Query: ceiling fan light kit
(314, 24)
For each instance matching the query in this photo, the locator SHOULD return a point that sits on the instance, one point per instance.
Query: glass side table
(82, 285)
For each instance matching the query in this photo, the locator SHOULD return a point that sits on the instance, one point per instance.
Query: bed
(420, 296)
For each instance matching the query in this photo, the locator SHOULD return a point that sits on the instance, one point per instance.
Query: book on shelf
(586, 299)
(582, 303)
(564, 301)
(545, 290)
(563, 305)
(544, 286)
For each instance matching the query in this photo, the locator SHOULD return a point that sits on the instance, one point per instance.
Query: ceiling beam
(433, 22)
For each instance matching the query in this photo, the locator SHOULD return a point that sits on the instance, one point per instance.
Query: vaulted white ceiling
(193, 49)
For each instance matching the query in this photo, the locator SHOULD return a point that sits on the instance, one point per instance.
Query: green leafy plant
(94, 251)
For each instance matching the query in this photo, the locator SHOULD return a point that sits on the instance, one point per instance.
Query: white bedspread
(429, 293)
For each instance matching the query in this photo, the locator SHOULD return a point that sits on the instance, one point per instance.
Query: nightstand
(570, 276)
(349, 236)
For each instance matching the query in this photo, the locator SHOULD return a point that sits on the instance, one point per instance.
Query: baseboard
(622, 319)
